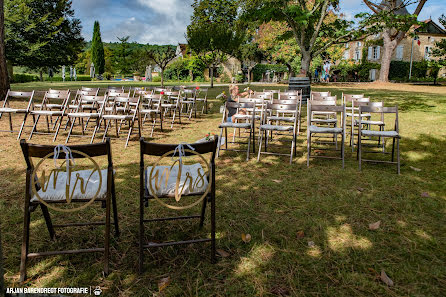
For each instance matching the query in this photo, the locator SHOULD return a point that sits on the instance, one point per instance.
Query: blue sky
(165, 21)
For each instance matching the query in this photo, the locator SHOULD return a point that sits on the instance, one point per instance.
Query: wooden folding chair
(325, 106)
(151, 107)
(84, 187)
(189, 100)
(319, 95)
(248, 125)
(394, 134)
(9, 110)
(50, 109)
(178, 188)
(202, 96)
(124, 109)
(272, 123)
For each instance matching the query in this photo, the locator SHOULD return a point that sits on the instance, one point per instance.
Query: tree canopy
(97, 50)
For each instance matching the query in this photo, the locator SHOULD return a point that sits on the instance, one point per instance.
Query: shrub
(23, 78)
(156, 79)
(199, 79)
(107, 75)
(260, 69)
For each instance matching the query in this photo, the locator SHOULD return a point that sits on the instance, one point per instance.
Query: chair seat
(363, 115)
(324, 112)
(201, 99)
(91, 184)
(235, 125)
(83, 115)
(316, 129)
(117, 117)
(285, 119)
(47, 112)
(149, 111)
(276, 127)
(380, 133)
(167, 189)
(324, 120)
(12, 110)
(168, 105)
(379, 123)
(72, 106)
(50, 106)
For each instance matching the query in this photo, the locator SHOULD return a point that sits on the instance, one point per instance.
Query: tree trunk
(290, 70)
(305, 63)
(162, 77)
(249, 75)
(212, 75)
(389, 46)
(4, 77)
(41, 74)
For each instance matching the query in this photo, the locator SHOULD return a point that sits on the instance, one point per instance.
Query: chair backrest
(118, 89)
(350, 97)
(152, 100)
(238, 105)
(90, 89)
(322, 105)
(377, 107)
(290, 96)
(113, 94)
(318, 95)
(61, 97)
(17, 94)
(138, 91)
(43, 152)
(281, 108)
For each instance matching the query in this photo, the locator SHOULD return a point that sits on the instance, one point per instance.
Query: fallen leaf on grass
(415, 169)
(300, 234)
(246, 237)
(425, 195)
(311, 244)
(163, 283)
(222, 253)
(375, 226)
(360, 189)
(277, 181)
(385, 279)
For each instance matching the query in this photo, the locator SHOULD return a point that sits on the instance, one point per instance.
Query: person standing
(327, 67)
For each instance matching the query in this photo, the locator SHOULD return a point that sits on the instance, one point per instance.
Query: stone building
(420, 47)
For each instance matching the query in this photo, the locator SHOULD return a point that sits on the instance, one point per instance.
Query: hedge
(401, 69)
(67, 78)
(24, 78)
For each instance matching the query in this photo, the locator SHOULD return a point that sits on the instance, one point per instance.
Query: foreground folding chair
(7, 109)
(248, 125)
(177, 187)
(84, 187)
(334, 131)
(394, 134)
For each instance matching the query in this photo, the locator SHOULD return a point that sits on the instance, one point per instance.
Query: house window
(358, 44)
(427, 53)
(357, 54)
(374, 52)
(346, 55)
(431, 39)
(399, 52)
(346, 45)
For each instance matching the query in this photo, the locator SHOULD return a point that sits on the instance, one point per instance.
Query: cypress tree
(97, 50)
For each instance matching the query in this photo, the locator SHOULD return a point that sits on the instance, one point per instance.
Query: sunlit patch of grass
(342, 238)
(256, 259)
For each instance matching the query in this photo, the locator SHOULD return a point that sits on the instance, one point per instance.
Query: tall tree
(161, 56)
(4, 77)
(213, 32)
(97, 50)
(41, 33)
(396, 21)
(315, 25)
(122, 55)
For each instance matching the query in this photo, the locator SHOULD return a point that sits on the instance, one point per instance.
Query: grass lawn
(283, 207)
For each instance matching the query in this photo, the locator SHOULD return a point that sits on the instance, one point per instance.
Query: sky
(165, 21)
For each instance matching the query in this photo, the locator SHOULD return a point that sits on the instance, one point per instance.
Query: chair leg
(49, 223)
(249, 144)
(359, 155)
(219, 145)
(115, 209)
(393, 149)
(10, 123)
(69, 132)
(130, 133)
(203, 211)
(398, 155)
(57, 129)
(34, 127)
(25, 243)
(308, 148)
(292, 148)
(260, 146)
(22, 126)
(107, 237)
(213, 248)
(342, 150)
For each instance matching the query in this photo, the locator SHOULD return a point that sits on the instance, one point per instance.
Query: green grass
(272, 201)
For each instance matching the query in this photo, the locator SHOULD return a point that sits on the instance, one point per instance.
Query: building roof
(430, 27)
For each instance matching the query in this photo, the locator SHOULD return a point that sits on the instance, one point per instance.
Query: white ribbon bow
(68, 156)
(180, 150)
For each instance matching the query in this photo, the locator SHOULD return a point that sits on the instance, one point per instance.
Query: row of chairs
(279, 116)
(115, 105)
(326, 123)
(51, 194)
